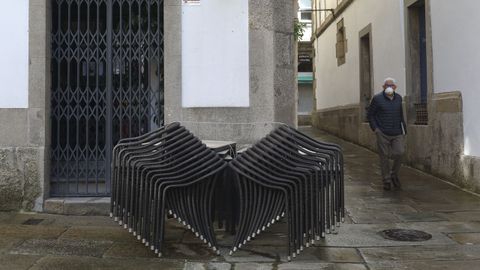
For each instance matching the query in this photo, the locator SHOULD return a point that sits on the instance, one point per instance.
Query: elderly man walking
(385, 115)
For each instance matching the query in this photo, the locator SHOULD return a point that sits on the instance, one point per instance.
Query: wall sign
(191, 2)
(215, 54)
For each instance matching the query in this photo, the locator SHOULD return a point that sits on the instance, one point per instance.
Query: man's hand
(377, 130)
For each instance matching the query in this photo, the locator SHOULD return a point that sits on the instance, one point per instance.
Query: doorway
(366, 71)
(417, 47)
(107, 84)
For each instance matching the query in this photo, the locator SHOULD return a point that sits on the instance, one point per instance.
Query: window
(418, 66)
(305, 63)
(341, 45)
(306, 16)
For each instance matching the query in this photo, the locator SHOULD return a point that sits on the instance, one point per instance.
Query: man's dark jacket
(387, 114)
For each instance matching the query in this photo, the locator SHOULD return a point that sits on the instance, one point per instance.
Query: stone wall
(436, 148)
(24, 132)
(20, 172)
(470, 172)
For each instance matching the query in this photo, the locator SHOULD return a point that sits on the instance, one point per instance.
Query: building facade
(428, 47)
(80, 75)
(305, 64)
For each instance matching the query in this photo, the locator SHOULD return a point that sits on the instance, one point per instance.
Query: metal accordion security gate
(107, 84)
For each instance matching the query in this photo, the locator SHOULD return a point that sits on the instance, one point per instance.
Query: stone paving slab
(315, 266)
(383, 205)
(424, 265)
(463, 216)
(190, 251)
(28, 231)
(250, 266)
(7, 243)
(78, 206)
(62, 220)
(5, 217)
(276, 237)
(422, 253)
(254, 254)
(466, 238)
(332, 254)
(443, 227)
(208, 266)
(278, 254)
(15, 218)
(129, 250)
(89, 263)
(420, 217)
(62, 247)
(93, 207)
(17, 262)
(367, 235)
(117, 234)
(444, 207)
(373, 217)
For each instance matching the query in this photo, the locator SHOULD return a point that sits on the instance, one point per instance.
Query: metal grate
(107, 84)
(421, 113)
(32, 221)
(405, 235)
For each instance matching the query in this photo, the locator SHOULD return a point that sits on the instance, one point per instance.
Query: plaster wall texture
(456, 60)
(339, 85)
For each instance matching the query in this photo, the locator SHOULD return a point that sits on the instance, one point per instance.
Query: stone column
(272, 78)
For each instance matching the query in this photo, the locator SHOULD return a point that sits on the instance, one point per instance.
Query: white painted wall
(215, 54)
(305, 5)
(307, 35)
(456, 60)
(339, 85)
(14, 54)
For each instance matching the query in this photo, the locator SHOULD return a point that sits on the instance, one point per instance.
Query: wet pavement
(450, 215)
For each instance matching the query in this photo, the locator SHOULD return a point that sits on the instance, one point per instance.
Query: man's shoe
(396, 182)
(387, 186)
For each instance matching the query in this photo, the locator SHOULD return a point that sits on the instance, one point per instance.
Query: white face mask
(389, 91)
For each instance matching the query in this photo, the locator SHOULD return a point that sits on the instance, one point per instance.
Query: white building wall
(331, 3)
(456, 60)
(14, 54)
(305, 5)
(339, 85)
(307, 35)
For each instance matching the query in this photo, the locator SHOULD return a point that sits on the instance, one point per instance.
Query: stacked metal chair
(286, 174)
(289, 174)
(168, 169)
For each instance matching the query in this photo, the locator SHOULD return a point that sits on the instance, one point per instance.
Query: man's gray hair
(389, 79)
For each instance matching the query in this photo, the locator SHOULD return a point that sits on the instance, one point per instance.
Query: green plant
(298, 29)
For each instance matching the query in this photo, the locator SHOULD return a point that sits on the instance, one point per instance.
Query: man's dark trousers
(390, 147)
(385, 115)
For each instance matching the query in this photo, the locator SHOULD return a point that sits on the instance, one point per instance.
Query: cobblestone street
(426, 203)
